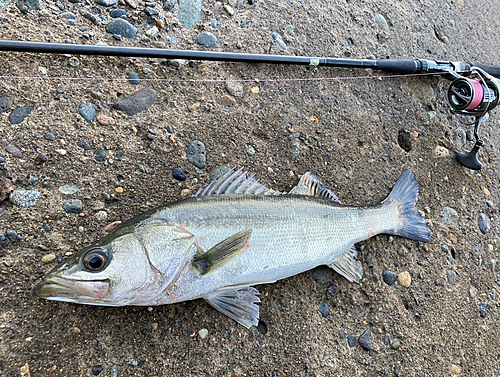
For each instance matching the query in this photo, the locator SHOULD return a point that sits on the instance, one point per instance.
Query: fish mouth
(63, 289)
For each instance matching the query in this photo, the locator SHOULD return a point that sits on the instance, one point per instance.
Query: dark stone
(322, 274)
(117, 13)
(482, 309)
(389, 277)
(68, 16)
(87, 111)
(178, 174)
(134, 78)
(19, 114)
(279, 40)
(207, 39)
(331, 291)
(50, 136)
(122, 27)
(365, 340)
(351, 341)
(137, 102)
(73, 206)
(324, 309)
(12, 235)
(404, 140)
(41, 159)
(14, 151)
(168, 5)
(96, 370)
(484, 223)
(84, 145)
(4, 104)
(342, 334)
(100, 155)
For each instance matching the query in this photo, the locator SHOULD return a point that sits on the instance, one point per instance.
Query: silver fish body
(233, 235)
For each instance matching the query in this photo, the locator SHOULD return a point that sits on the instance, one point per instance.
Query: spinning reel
(475, 96)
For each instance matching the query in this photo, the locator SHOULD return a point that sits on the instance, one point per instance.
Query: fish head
(113, 273)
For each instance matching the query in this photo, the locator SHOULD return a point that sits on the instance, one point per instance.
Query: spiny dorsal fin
(222, 253)
(309, 184)
(236, 182)
(347, 266)
(238, 303)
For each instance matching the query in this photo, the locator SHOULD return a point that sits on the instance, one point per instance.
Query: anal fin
(347, 265)
(238, 303)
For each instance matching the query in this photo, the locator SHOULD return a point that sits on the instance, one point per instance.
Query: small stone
(397, 369)
(351, 341)
(493, 264)
(448, 216)
(84, 145)
(290, 31)
(279, 40)
(178, 174)
(445, 248)
(473, 292)
(396, 344)
(96, 369)
(117, 13)
(74, 62)
(105, 120)
(49, 136)
(218, 172)
(61, 152)
(114, 371)
(207, 39)
(455, 369)
(49, 258)
(322, 274)
(234, 88)
(331, 291)
(73, 206)
(12, 235)
(4, 101)
(119, 190)
(324, 309)
(19, 114)
(453, 238)
(122, 27)
(441, 151)
(250, 150)
(389, 277)
(137, 102)
(185, 193)
(168, 5)
(381, 22)
(452, 277)
(482, 309)
(387, 339)
(14, 151)
(24, 198)
(87, 111)
(101, 215)
(196, 154)
(152, 32)
(203, 333)
(484, 223)
(189, 12)
(342, 334)
(459, 138)
(404, 279)
(100, 155)
(229, 9)
(365, 340)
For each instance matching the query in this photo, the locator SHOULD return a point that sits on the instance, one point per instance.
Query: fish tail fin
(404, 194)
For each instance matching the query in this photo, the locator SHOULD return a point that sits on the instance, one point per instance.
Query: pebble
(168, 5)
(189, 11)
(137, 102)
(133, 78)
(342, 334)
(117, 13)
(324, 309)
(331, 291)
(351, 341)
(203, 333)
(322, 274)
(396, 344)
(73, 206)
(404, 279)
(448, 216)
(121, 27)
(24, 198)
(119, 190)
(279, 40)
(3, 239)
(387, 339)
(105, 120)
(12, 235)
(101, 215)
(219, 171)
(35, 4)
(4, 104)
(48, 258)
(14, 151)
(250, 150)
(389, 277)
(381, 22)
(455, 369)
(50, 136)
(196, 154)
(114, 371)
(41, 159)
(469, 134)
(178, 174)
(100, 155)
(452, 277)
(441, 151)
(290, 31)
(61, 152)
(459, 138)
(207, 39)
(96, 369)
(229, 9)
(482, 309)
(493, 264)
(185, 193)
(445, 248)
(84, 145)
(234, 88)
(2, 160)
(87, 111)
(19, 114)
(484, 223)
(365, 340)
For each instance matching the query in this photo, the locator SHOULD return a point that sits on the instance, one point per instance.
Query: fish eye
(95, 260)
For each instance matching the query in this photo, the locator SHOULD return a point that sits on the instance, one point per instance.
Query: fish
(227, 238)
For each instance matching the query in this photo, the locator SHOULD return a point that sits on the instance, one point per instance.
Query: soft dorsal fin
(309, 184)
(236, 182)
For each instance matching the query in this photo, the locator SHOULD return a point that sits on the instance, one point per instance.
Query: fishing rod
(474, 90)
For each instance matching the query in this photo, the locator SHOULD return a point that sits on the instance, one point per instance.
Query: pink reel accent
(478, 95)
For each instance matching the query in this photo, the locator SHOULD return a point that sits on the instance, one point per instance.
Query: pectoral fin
(222, 253)
(237, 303)
(347, 266)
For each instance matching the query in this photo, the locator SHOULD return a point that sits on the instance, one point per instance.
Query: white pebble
(203, 333)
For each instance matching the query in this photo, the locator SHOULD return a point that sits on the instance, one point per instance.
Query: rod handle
(399, 65)
(491, 69)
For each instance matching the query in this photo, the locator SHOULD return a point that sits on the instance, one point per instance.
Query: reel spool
(474, 96)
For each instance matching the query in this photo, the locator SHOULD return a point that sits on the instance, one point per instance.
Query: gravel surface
(123, 143)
